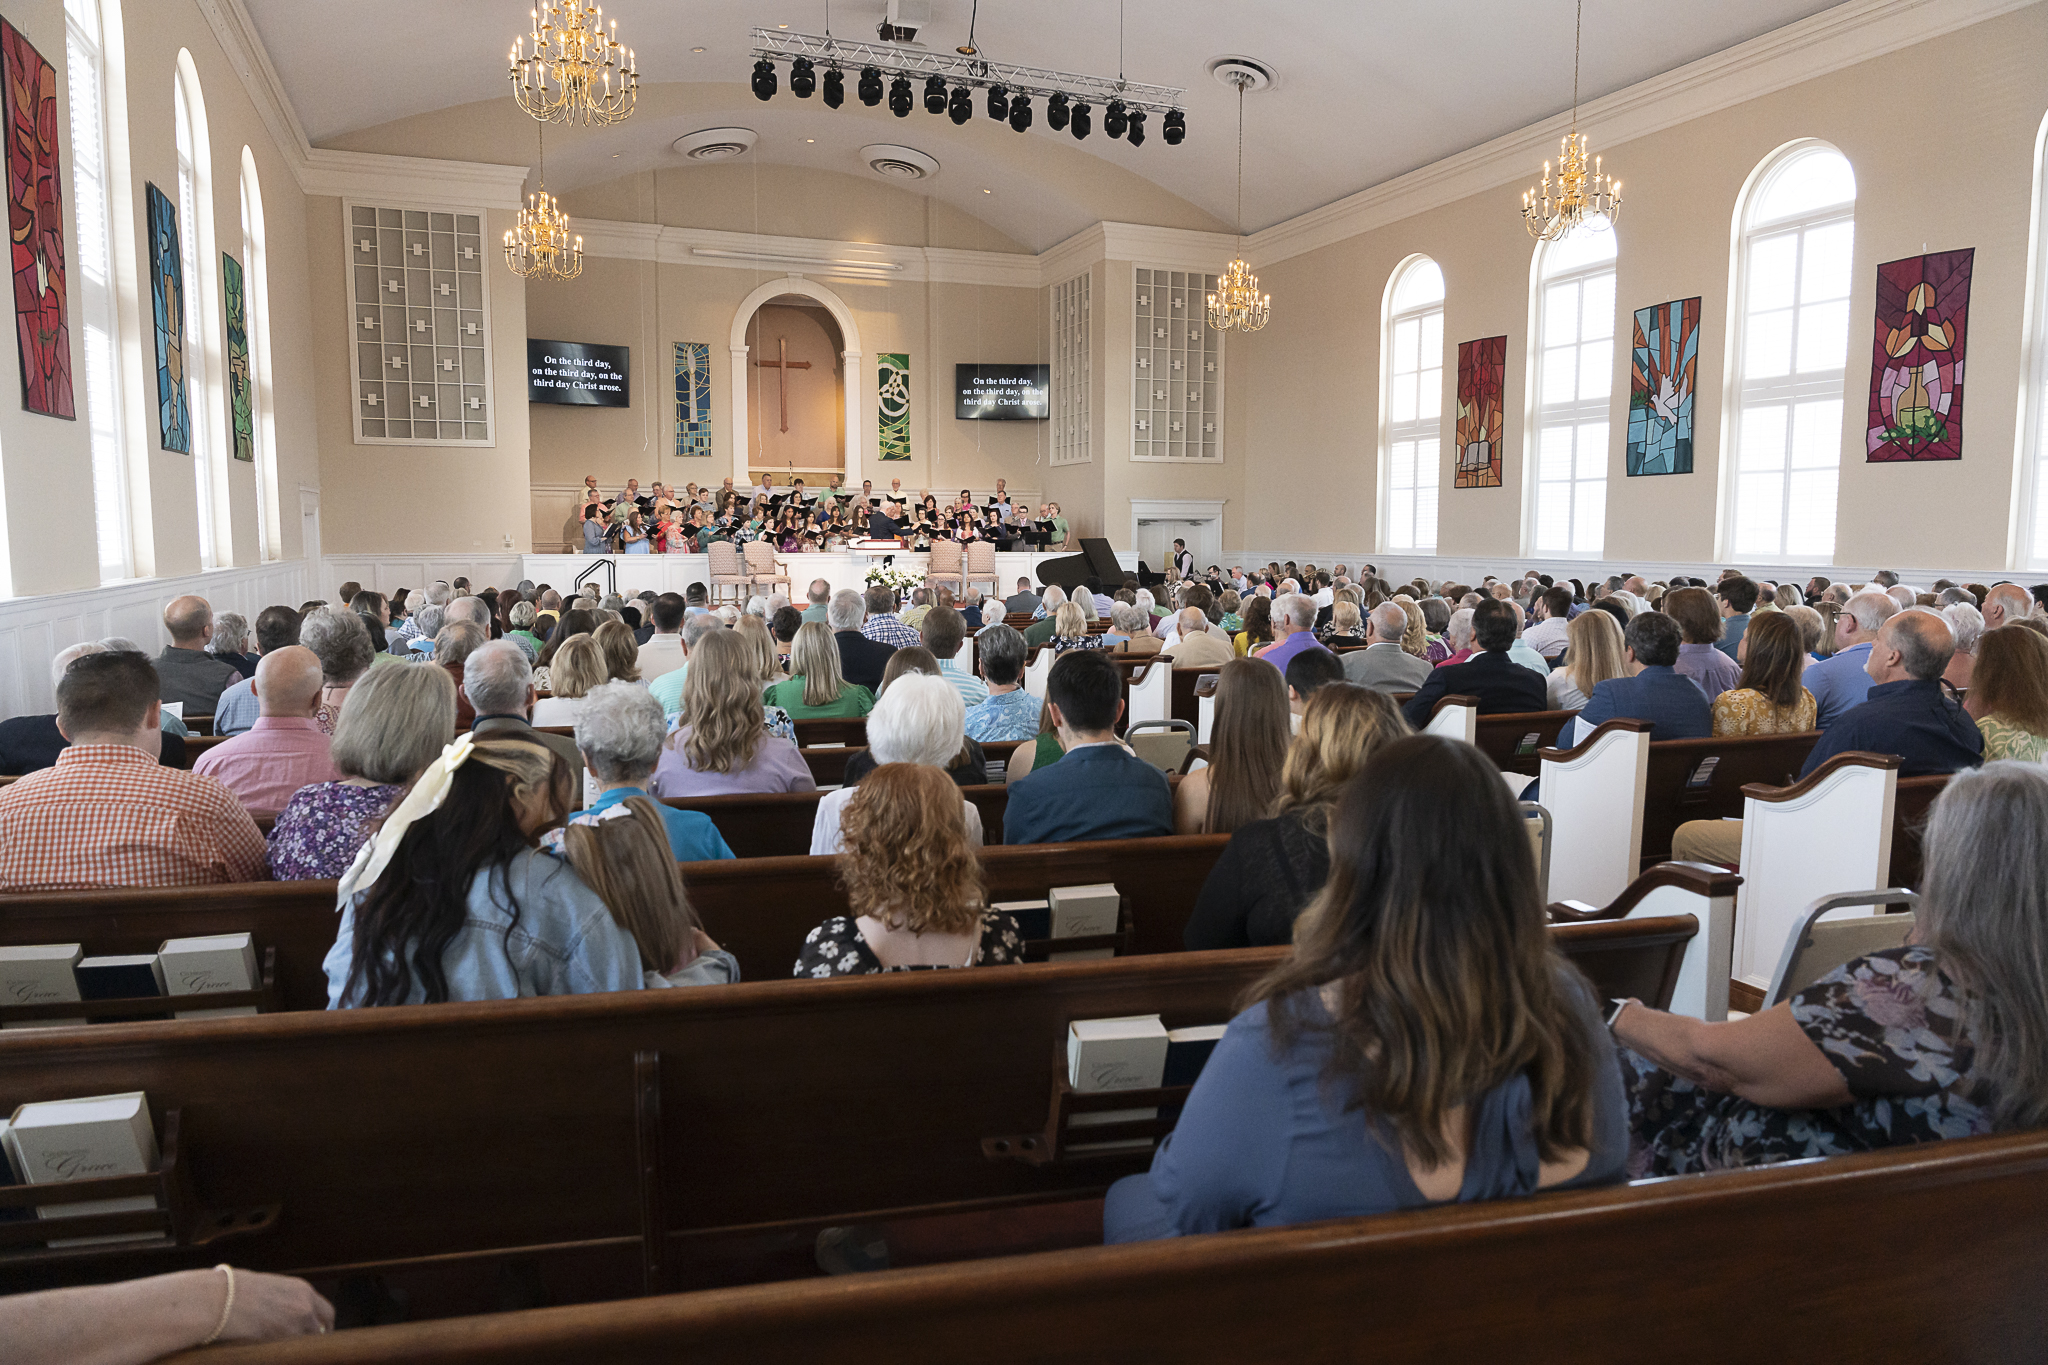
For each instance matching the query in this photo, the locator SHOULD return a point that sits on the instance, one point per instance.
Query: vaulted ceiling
(1365, 91)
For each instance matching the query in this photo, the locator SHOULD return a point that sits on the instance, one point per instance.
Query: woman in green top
(2008, 694)
(817, 690)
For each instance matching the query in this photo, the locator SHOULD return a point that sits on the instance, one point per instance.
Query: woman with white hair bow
(920, 719)
(451, 900)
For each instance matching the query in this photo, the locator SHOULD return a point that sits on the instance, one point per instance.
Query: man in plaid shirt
(107, 815)
(883, 625)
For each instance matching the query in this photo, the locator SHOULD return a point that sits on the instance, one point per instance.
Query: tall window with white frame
(256, 303)
(198, 312)
(1413, 344)
(1798, 238)
(93, 285)
(1574, 380)
(2037, 381)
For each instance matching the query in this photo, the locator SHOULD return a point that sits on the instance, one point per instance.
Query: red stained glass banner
(1916, 367)
(35, 220)
(1482, 380)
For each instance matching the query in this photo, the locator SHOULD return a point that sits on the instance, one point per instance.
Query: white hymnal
(1115, 1054)
(56, 1141)
(40, 974)
(209, 966)
(1084, 911)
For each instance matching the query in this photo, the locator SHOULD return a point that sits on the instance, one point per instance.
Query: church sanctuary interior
(1116, 681)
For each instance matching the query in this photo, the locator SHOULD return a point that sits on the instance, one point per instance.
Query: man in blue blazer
(1657, 692)
(1099, 789)
(1499, 683)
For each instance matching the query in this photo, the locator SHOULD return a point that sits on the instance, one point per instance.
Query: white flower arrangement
(902, 580)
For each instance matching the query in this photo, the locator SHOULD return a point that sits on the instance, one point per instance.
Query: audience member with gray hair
(395, 722)
(342, 641)
(474, 610)
(426, 624)
(1905, 711)
(1840, 681)
(1010, 713)
(1383, 665)
(2006, 603)
(231, 643)
(498, 683)
(1195, 643)
(619, 734)
(1966, 623)
(861, 660)
(1294, 619)
(919, 719)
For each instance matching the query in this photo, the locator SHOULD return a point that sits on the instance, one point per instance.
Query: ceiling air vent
(716, 144)
(892, 162)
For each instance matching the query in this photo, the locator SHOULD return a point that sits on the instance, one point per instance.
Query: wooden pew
(851, 732)
(1741, 1236)
(779, 824)
(1682, 787)
(1707, 894)
(652, 1140)
(1183, 705)
(1513, 739)
(1914, 803)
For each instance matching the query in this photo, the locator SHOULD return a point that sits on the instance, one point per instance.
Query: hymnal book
(40, 974)
(1034, 918)
(1116, 1054)
(9, 1176)
(1084, 911)
(121, 978)
(56, 1141)
(209, 966)
(1187, 1051)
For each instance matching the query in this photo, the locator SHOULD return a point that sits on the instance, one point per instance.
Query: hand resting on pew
(144, 1320)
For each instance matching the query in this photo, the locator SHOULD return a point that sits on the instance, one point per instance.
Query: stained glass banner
(1662, 378)
(1482, 378)
(693, 398)
(167, 301)
(35, 218)
(894, 405)
(1916, 368)
(241, 418)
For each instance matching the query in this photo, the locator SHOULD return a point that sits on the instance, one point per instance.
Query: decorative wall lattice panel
(1177, 369)
(1071, 430)
(419, 321)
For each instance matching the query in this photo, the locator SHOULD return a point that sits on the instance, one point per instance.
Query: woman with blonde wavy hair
(579, 666)
(767, 666)
(1273, 867)
(817, 687)
(620, 650)
(723, 746)
(1425, 1042)
(913, 882)
(1415, 639)
(1592, 656)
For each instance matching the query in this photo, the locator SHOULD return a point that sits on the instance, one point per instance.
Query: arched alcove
(795, 290)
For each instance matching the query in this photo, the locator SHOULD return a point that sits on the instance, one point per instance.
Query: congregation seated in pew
(1274, 866)
(1945, 1037)
(1247, 745)
(2008, 696)
(912, 881)
(395, 722)
(1767, 697)
(816, 688)
(918, 721)
(724, 745)
(285, 749)
(1098, 789)
(1426, 1041)
(619, 737)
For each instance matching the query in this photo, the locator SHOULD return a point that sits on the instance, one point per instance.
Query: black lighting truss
(892, 60)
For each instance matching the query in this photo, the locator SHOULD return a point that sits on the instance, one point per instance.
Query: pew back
(779, 824)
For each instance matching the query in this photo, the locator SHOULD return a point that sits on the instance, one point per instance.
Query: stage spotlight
(1136, 136)
(1056, 113)
(802, 78)
(1020, 112)
(1175, 128)
(835, 88)
(961, 107)
(935, 95)
(870, 88)
(899, 97)
(1114, 120)
(1080, 121)
(998, 102)
(764, 79)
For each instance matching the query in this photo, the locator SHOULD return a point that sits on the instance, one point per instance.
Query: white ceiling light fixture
(716, 144)
(894, 162)
(1228, 68)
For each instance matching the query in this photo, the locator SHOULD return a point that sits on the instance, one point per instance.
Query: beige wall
(810, 397)
(1303, 395)
(49, 486)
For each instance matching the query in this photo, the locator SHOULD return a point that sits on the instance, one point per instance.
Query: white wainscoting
(388, 573)
(1399, 568)
(34, 629)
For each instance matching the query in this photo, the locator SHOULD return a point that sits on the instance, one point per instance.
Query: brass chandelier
(1237, 304)
(1591, 198)
(570, 69)
(540, 245)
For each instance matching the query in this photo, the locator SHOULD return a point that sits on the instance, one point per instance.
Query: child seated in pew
(913, 881)
(1426, 1042)
(136, 1321)
(621, 852)
(1944, 1037)
(451, 900)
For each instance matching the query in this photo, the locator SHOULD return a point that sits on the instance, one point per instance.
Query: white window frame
(2030, 507)
(202, 306)
(1793, 390)
(94, 290)
(1425, 427)
(1576, 414)
(256, 300)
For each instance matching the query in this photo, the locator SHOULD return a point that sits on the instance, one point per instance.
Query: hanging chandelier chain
(1584, 193)
(1578, 32)
(1237, 305)
(1240, 81)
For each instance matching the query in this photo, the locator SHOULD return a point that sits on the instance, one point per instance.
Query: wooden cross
(783, 367)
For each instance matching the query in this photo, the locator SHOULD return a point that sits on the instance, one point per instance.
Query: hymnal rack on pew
(1077, 921)
(1109, 1093)
(262, 998)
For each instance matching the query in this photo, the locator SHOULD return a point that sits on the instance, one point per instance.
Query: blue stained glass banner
(693, 398)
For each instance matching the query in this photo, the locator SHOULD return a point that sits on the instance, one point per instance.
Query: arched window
(92, 283)
(1573, 381)
(256, 300)
(1412, 389)
(195, 243)
(1791, 306)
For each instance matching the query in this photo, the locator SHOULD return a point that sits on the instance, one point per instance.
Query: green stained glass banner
(894, 405)
(241, 418)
